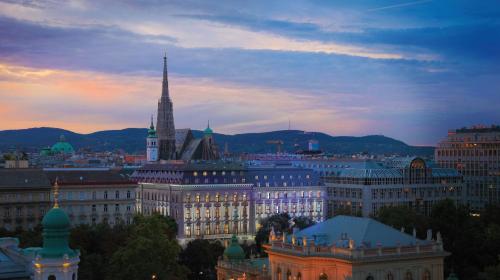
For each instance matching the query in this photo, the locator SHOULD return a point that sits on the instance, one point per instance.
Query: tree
(150, 251)
(303, 222)
(280, 223)
(403, 217)
(201, 256)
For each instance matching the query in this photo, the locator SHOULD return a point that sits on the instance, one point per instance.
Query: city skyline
(410, 70)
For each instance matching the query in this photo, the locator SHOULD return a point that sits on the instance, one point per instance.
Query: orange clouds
(85, 101)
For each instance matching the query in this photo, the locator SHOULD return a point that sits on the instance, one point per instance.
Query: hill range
(132, 140)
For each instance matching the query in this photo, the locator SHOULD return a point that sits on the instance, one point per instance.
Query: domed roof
(234, 250)
(62, 146)
(56, 218)
(208, 130)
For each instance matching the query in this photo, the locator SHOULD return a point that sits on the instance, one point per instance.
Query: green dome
(56, 218)
(62, 147)
(234, 250)
(208, 130)
(56, 227)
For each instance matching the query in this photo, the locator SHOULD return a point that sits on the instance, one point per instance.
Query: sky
(406, 69)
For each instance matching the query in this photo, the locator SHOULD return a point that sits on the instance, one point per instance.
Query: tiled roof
(88, 177)
(23, 178)
(364, 231)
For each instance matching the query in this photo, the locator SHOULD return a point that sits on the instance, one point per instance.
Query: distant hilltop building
(168, 143)
(475, 153)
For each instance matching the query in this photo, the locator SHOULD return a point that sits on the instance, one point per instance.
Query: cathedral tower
(165, 120)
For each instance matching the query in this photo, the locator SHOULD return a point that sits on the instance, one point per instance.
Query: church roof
(234, 250)
(363, 231)
(62, 146)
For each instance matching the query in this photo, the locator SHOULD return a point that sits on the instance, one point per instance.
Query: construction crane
(278, 143)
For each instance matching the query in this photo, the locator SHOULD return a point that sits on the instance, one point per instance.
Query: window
(117, 207)
(51, 277)
(408, 276)
(389, 276)
(427, 275)
(106, 194)
(288, 275)
(105, 208)
(128, 194)
(117, 194)
(323, 276)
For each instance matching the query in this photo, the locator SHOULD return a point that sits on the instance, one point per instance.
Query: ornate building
(214, 200)
(355, 248)
(165, 120)
(171, 143)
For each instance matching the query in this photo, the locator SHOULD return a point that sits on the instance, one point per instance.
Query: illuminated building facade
(475, 153)
(362, 187)
(217, 199)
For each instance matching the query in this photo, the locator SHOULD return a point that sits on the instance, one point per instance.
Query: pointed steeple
(164, 92)
(152, 125)
(55, 192)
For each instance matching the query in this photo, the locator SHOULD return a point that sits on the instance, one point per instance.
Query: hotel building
(217, 199)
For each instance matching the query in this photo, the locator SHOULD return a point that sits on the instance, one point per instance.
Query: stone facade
(24, 198)
(215, 199)
(165, 120)
(92, 196)
(362, 187)
(357, 249)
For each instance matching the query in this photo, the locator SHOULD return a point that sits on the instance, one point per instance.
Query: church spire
(152, 125)
(164, 92)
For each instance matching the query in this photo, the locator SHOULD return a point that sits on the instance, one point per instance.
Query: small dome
(62, 146)
(208, 130)
(56, 218)
(234, 250)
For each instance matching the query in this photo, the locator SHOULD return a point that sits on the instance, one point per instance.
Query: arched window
(408, 276)
(278, 274)
(73, 277)
(299, 276)
(51, 277)
(390, 276)
(288, 275)
(427, 275)
(323, 276)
